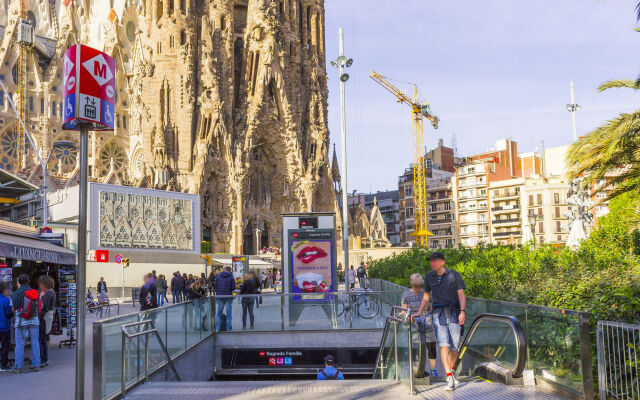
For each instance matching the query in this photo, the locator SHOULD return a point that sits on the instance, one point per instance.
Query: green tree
(612, 147)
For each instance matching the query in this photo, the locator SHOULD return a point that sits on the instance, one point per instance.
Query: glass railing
(493, 341)
(558, 342)
(182, 326)
(399, 352)
(179, 327)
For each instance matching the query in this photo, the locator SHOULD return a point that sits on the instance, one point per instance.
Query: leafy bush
(601, 277)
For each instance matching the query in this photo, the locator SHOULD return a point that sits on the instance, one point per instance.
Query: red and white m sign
(98, 69)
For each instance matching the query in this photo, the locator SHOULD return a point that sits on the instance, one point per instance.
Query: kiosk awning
(23, 248)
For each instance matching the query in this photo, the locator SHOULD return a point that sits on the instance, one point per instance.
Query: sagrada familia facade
(223, 98)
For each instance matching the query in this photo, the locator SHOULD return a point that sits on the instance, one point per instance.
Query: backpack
(330, 377)
(31, 305)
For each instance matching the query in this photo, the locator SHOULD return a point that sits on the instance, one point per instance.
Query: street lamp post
(573, 108)
(341, 62)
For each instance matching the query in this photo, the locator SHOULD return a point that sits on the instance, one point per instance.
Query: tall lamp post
(573, 108)
(341, 62)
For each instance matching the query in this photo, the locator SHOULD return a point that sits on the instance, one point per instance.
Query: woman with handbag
(48, 299)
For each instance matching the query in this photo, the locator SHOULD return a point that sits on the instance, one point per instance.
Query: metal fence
(618, 363)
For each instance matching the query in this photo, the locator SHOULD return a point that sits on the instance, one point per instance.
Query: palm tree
(613, 147)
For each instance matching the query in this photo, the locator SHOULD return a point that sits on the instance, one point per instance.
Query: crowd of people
(32, 313)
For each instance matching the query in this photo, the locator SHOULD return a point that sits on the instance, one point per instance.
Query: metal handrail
(392, 319)
(521, 344)
(126, 335)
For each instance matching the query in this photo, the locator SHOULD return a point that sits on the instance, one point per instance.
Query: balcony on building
(511, 194)
(507, 208)
(507, 233)
(507, 221)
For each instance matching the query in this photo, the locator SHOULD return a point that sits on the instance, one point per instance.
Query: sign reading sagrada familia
(222, 98)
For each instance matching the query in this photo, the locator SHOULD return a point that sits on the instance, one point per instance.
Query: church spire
(335, 169)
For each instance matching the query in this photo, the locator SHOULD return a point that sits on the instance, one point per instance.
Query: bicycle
(365, 305)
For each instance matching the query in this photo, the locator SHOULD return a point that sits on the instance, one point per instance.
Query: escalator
(494, 349)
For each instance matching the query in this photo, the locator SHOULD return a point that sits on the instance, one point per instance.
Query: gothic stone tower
(225, 98)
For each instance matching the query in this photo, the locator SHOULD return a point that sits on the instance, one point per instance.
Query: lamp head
(349, 62)
(342, 60)
(344, 77)
(334, 64)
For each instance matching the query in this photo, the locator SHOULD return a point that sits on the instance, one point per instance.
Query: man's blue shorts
(448, 334)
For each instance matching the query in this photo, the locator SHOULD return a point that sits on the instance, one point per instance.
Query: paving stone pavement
(472, 389)
(57, 381)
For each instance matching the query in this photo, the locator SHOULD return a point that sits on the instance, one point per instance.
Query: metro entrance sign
(89, 89)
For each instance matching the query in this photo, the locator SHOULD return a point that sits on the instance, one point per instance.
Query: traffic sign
(118, 258)
(89, 89)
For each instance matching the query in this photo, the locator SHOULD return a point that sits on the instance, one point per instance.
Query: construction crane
(419, 111)
(25, 42)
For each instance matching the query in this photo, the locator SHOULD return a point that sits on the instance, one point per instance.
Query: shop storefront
(23, 252)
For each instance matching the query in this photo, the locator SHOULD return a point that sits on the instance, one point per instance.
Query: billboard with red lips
(311, 257)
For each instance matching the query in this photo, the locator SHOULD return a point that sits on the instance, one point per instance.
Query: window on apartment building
(433, 208)
(557, 211)
(539, 211)
(558, 226)
(540, 227)
(539, 199)
(556, 198)
(530, 200)
(541, 239)
(559, 238)
(447, 206)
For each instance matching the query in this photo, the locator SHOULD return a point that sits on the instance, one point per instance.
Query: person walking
(148, 298)
(26, 306)
(175, 288)
(161, 288)
(352, 277)
(270, 279)
(225, 285)
(258, 284)
(196, 291)
(362, 275)
(101, 287)
(6, 313)
(184, 285)
(211, 280)
(48, 299)
(446, 287)
(263, 279)
(248, 288)
(330, 372)
(412, 299)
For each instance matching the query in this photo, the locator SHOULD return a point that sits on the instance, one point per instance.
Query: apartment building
(439, 164)
(441, 220)
(505, 198)
(469, 189)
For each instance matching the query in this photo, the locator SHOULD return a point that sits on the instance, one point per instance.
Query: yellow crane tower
(25, 42)
(419, 111)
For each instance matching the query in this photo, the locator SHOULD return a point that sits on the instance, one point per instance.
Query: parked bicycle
(363, 303)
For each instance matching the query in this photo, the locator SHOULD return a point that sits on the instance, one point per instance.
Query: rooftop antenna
(454, 145)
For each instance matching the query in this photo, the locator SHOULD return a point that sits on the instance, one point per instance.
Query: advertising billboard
(312, 264)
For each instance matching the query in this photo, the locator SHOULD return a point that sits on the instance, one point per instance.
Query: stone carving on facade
(199, 136)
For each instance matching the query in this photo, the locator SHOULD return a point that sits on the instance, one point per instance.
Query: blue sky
(490, 69)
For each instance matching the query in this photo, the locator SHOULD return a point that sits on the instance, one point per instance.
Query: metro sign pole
(89, 103)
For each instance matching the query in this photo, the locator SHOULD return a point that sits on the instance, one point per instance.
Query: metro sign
(99, 69)
(89, 89)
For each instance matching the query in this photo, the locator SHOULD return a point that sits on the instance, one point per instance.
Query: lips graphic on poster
(310, 253)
